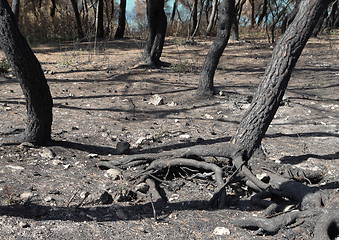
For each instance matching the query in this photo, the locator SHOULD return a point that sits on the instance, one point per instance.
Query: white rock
(208, 116)
(56, 162)
(114, 174)
(47, 153)
(156, 100)
(26, 195)
(92, 155)
(185, 136)
(221, 231)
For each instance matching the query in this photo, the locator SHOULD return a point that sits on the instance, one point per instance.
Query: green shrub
(4, 65)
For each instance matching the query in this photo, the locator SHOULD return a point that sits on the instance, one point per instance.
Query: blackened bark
(100, 33)
(122, 20)
(77, 19)
(16, 9)
(263, 12)
(157, 23)
(32, 80)
(52, 9)
(227, 12)
(194, 17)
(272, 86)
(235, 26)
(174, 9)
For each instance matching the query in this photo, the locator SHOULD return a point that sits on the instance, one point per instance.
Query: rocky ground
(102, 97)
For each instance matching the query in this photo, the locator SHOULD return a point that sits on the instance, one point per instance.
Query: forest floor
(103, 97)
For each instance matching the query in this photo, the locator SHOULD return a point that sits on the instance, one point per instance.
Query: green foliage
(4, 65)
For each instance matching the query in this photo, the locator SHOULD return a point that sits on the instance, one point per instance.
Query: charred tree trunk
(263, 13)
(194, 17)
(77, 19)
(16, 9)
(122, 20)
(174, 9)
(52, 9)
(100, 33)
(212, 17)
(227, 12)
(235, 25)
(278, 72)
(252, 13)
(32, 80)
(157, 23)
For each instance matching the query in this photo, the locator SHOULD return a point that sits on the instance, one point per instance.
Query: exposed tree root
(307, 201)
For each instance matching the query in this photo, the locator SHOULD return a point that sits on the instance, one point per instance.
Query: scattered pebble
(47, 153)
(156, 100)
(219, 231)
(113, 174)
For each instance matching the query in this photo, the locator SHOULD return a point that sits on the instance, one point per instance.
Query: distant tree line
(71, 19)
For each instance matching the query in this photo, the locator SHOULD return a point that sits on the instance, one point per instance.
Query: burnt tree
(308, 200)
(157, 23)
(16, 8)
(227, 11)
(99, 22)
(32, 80)
(121, 21)
(77, 19)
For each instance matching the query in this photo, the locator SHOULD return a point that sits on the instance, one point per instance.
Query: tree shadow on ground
(302, 158)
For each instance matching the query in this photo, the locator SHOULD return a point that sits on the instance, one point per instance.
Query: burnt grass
(102, 97)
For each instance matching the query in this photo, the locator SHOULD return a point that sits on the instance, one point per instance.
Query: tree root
(307, 201)
(327, 225)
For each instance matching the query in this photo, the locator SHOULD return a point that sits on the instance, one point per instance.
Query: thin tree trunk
(209, 67)
(16, 9)
(122, 20)
(174, 9)
(100, 33)
(212, 17)
(157, 23)
(263, 13)
(272, 86)
(252, 13)
(199, 20)
(194, 16)
(52, 9)
(77, 19)
(27, 69)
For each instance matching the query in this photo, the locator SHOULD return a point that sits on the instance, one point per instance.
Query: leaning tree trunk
(157, 23)
(227, 12)
(194, 15)
(77, 19)
(32, 80)
(16, 8)
(278, 72)
(122, 20)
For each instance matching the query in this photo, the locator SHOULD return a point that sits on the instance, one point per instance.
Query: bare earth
(101, 97)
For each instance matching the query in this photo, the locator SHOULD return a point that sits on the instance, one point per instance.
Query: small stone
(57, 162)
(26, 196)
(185, 136)
(84, 195)
(172, 104)
(93, 155)
(123, 147)
(219, 231)
(208, 116)
(67, 166)
(26, 145)
(8, 108)
(49, 199)
(156, 100)
(114, 174)
(176, 120)
(142, 187)
(24, 225)
(47, 153)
